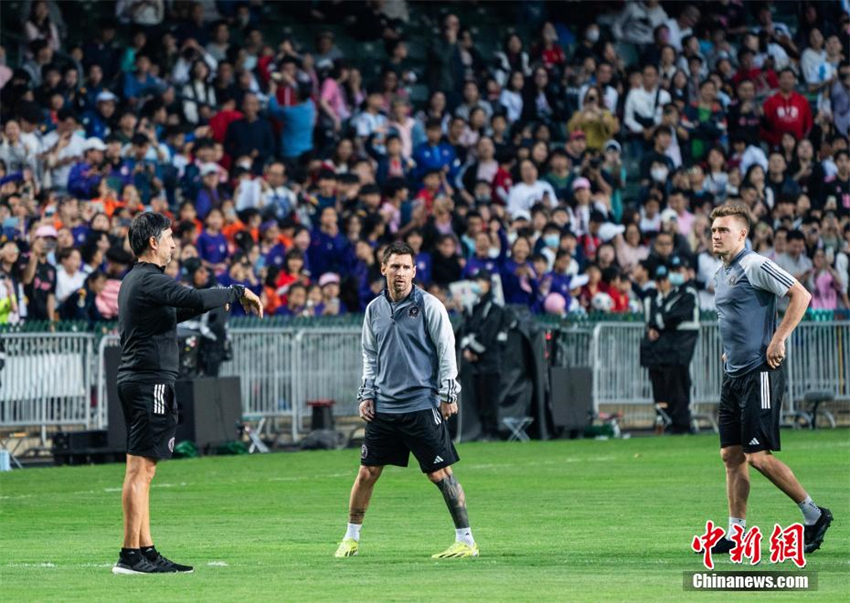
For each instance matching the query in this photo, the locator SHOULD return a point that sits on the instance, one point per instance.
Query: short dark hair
(394, 186)
(65, 113)
(796, 235)
(65, 253)
(398, 248)
(93, 276)
(143, 227)
(140, 139)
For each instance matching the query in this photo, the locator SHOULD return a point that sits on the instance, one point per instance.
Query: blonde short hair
(738, 210)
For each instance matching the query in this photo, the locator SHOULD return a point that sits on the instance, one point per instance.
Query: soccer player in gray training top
(747, 287)
(409, 389)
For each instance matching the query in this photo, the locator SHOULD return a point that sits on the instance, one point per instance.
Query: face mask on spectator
(659, 174)
(677, 279)
(552, 240)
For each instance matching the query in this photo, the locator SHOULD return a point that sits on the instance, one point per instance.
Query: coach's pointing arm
(190, 302)
(443, 336)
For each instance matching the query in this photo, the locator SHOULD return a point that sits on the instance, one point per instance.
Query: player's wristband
(240, 290)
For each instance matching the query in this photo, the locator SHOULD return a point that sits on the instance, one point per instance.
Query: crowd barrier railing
(59, 379)
(47, 380)
(817, 356)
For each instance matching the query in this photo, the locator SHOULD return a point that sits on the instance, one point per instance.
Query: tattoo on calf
(455, 500)
(356, 515)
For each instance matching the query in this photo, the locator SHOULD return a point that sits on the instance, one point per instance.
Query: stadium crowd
(563, 165)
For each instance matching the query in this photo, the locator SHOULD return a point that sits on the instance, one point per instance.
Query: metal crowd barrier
(47, 380)
(328, 365)
(281, 370)
(818, 357)
(52, 379)
(263, 359)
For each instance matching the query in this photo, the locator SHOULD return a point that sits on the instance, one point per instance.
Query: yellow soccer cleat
(347, 548)
(457, 551)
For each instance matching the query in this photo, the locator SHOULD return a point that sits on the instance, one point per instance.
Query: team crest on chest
(413, 312)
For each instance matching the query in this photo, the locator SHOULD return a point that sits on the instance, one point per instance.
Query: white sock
(735, 521)
(810, 510)
(465, 535)
(353, 531)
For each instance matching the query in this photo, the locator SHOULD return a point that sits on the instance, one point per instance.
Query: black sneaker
(813, 534)
(166, 566)
(134, 564)
(723, 546)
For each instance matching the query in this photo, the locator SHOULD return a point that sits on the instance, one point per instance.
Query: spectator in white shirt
(794, 260)
(679, 204)
(530, 190)
(777, 33)
(812, 57)
(511, 96)
(644, 104)
(371, 123)
(610, 96)
(682, 26)
(140, 12)
(64, 149)
(826, 69)
(637, 22)
(277, 199)
(248, 189)
(69, 276)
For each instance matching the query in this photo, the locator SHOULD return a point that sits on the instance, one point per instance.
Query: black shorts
(750, 409)
(150, 414)
(390, 438)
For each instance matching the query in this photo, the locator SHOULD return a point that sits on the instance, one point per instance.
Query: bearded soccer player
(150, 304)
(747, 287)
(408, 392)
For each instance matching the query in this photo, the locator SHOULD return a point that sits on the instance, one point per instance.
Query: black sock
(148, 550)
(129, 552)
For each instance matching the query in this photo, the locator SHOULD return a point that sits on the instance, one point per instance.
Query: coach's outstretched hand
(251, 303)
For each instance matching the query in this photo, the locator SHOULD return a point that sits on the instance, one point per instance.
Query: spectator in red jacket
(786, 111)
(224, 117)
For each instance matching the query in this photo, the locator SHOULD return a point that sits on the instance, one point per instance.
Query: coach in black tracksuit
(672, 328)
(150, 304)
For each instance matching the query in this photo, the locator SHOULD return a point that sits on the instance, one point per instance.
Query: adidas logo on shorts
(753, 442)
(439, 459)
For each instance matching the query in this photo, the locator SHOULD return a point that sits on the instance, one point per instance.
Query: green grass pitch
(556, 521)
